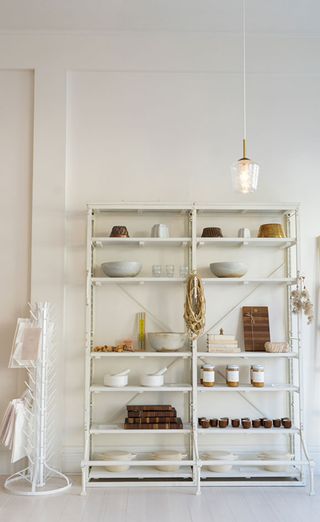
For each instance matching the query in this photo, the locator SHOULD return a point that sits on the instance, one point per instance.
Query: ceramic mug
(244, 232)
(160, 231)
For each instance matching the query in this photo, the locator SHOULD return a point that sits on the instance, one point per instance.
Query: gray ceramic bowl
(229, 269)
(121, 268)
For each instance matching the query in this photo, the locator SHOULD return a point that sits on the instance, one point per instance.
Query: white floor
(164, 504)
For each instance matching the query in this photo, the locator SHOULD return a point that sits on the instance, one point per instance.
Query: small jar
(246, 424)
(267, 423)
(223, 422)
(232, 376)
(235, 423)
(205, 423)
(201, 373)
(257, 376)
(286, 423)
(276, 423)
(208, 375)
(213, 423)
(256, 423)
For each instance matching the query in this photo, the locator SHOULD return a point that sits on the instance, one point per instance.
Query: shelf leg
(198, 491)
(83, 484)
(311, 485)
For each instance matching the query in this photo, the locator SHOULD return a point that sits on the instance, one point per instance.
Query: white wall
(16, 137)
(157, 117)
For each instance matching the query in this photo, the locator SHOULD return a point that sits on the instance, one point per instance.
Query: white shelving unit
(248, 470)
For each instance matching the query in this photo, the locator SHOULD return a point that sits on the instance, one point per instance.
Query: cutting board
(255, 327)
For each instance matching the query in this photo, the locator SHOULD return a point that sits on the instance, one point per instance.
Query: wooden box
(255, 327)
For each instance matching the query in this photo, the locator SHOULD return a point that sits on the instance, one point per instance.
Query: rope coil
(195, 306)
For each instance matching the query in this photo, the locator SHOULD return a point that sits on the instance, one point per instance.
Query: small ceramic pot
(256, 423)
(271, 230)
(246, 424)
(244, 232)
(267, 423)
(223, 423)
(205, 423)
(119, 231)
(235, 423)
(160, 230)
(276, 423)
(286, 423)
(211, 232)
(213, 423)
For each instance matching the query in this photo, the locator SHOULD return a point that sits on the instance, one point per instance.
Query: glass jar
(257, 376)
(233, 375)
(208, 375)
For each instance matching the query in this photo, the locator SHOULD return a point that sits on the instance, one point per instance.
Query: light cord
(244, 70)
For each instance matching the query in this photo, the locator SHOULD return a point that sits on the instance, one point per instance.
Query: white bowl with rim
(168, 455)
(121, 268)
(167, 341)
(275, 455)
(219, 455)
(229, 269)
(116, 455)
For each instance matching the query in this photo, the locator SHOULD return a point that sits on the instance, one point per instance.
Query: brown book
(150, 420)
(156, 426)
(144, 414)
(255, 327)
(156, 407)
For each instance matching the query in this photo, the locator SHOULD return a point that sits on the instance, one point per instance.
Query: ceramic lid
(220, 455)
(168, 454)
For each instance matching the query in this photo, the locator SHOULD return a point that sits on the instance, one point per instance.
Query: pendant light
(245, 172)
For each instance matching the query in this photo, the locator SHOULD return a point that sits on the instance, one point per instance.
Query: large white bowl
(168, 455)
(219, 455)
(121, 268)
(116, 455)
(152, 380)
(275, 455)
(115, 381)
(229, 269)
(167, 341)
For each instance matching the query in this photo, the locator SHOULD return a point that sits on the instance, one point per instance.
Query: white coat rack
(39, 478)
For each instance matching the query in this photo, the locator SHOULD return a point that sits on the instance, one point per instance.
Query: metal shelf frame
(193, 470)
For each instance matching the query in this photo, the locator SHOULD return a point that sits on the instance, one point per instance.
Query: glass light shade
(245, 175)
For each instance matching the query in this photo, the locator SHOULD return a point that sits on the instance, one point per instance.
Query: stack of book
(221, 343)
(152, 417)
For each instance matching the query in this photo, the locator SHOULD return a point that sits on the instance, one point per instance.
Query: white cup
(160, 231)
(244, 232)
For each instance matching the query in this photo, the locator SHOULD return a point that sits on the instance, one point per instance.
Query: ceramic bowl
(275, 455)
(228, 269)
(271, 230)
(168, 455)
(115, 381)
(116, 455)
(121, 268)
(167, 341)
(152, 380)
(119, 231)
(212, 232)
(220, 455)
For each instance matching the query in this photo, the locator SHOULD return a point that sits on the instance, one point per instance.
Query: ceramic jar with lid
(257, 376)
(233, 375)
(208, 375)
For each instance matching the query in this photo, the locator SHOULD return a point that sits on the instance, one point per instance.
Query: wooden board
(149, 420)
(156, 426)
(154, 407)
(255, 327)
